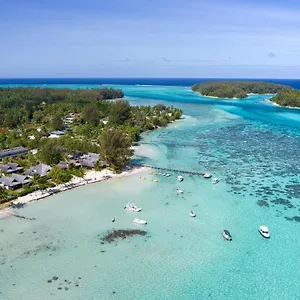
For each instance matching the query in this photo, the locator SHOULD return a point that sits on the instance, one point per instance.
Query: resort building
(13, 152)
(56, 134)
(9, 183)
(21, 178)
(41, 170)
(69, 118)
(89, 160)
(10, 168)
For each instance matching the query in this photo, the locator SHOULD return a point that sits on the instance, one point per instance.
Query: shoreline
(278, 105)
(89, 178)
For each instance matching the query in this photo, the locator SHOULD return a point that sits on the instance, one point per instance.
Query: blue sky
(150, 38)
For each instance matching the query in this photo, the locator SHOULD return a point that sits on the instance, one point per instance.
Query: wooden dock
(171, 170)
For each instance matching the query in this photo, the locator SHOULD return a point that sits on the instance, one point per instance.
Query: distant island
(236, 89)
(287, 97)
(284, 95)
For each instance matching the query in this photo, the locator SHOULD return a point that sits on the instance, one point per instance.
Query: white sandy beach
(90, 177)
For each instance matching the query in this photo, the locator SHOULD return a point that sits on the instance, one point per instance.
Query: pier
(171, 170)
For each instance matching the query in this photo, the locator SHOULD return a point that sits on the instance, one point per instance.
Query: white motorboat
(112, 219)
(226, 234)
(180, 178)
(207, 175)
(178, 191)
(132, 207)
(264, 231)
(192, 214)
(139, 221)
(168, 175)
(215, 180)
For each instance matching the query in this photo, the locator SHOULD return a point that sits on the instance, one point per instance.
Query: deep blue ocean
(295, 83)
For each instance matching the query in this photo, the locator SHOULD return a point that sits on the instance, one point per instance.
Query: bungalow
(56, 134)
(13, 152)
(21, 178)
(41, 170)
(89, 160)
(9, 182)
(10, 168)
(69, 118)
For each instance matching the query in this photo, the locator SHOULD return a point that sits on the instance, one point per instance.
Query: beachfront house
(56, 134)
(10, 168)
(9, 183)
(41, 170)
(21, 178)
(89, 160)
(13, 152)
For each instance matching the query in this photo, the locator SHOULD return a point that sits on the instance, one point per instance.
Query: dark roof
(87, 163)
(9, 181)
(12, 152)
(21, 178)
(40, 169)
(10, 167)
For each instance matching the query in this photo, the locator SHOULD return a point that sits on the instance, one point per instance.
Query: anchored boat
(207, 175)
(215, 180)
(132, 207)
(139, 221)
(264, 231)
(226, 234)
(180, 178)
(192, 214)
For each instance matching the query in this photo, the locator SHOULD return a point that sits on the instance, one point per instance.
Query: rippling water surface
(252, 146)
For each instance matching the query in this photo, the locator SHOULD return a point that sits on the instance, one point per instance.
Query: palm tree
(115, 148)
(3, 194)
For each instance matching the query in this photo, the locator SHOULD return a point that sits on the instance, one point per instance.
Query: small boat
(163, 174)
(132, 207)
(150, 173)
(264, 231)
(155, 180)
(155, 173)
(180, 178)
(168, 175)
(178, 191)
(226, 234)
(113, 219)
(143, 178)
(192, 214)
(215, 180)
(207, 175)
(139, 221)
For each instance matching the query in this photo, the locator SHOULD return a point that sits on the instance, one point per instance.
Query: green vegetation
(287, 97)
(115, 148)
(89, 122)
(19, 106)
(236, 89)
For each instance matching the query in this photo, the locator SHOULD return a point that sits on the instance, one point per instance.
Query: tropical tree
(90, 114)
(49, 154)
(57, 123)
(115, 148)
(59, 175)
(3, 194)
(119, 112)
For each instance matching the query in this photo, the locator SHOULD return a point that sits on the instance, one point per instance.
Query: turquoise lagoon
(254, 149)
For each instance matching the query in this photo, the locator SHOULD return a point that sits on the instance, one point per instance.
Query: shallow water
(250, 145)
